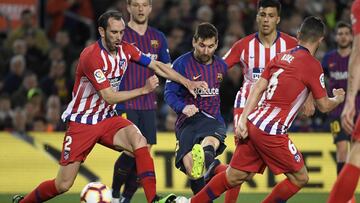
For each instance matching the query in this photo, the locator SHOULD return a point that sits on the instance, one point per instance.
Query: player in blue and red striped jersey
(335, 64)
(140, 110)
(200, 128)
(90, 114)
(263, 128)
(347, 181)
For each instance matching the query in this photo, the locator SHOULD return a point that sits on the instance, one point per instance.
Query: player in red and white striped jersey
(264, 141)
(90, 114)
(254, 51)
(344, 187)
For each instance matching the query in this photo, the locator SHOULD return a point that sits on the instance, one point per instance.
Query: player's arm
(308, 108)
(255, 95)
(167, 72)
(353, 86)
(174, 95)
(113, 97)
(326, 104)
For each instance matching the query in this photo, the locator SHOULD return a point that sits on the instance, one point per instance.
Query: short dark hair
(206, 31)
(270, 3)
(342, 24)
(312, 29)
(129, 2)
(26, 12)
(104, 18)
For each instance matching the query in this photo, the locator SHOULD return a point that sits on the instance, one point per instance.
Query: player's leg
(51, 188)
(125, 164)
(281, 156)
(346, 183)
(341, 140)
(122, 134)
(147, 126)
(288, 187)
(78, 142)
(244, 163)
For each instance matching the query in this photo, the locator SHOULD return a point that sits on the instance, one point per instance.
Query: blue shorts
(193, 131)
(145, 120)
(336, 130)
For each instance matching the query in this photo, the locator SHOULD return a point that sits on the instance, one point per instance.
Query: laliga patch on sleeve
(322, 80)
(99, 76)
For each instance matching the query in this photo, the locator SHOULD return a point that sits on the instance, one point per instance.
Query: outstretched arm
(167, 72)
(113, 97)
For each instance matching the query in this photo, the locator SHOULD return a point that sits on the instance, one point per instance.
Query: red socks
(282, 192)
(232, 195)
(145, 169)
(217, 185)
(345, 185)
(45, 191)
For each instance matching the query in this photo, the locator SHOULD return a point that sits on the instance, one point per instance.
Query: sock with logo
(146, 173)
(131, 185)
(123, 165)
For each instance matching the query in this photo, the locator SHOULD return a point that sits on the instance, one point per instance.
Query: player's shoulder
(219, 60)
(287, 37)
(91, 51)
(330, 53)
(183, 59)
(245, 40)
(155, 30)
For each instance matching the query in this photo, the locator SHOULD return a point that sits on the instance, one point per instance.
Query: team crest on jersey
(219, 77)
(322, 80)
(99, 76)
(154, 43)
(66, 155)
(297, 157)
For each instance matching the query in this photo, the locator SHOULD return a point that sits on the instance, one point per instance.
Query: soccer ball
(95, 192)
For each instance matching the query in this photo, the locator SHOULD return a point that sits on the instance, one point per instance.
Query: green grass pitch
(243, 198)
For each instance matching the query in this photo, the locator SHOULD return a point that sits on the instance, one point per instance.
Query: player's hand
(151, 84)
(308, 108)
(192, 85)
(339, 94)
(190, 110)
(241, 130)
(348, 115)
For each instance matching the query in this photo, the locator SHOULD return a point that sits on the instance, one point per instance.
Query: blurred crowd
(37, 63)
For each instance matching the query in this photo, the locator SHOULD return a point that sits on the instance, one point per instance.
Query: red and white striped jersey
(97, 70)
(291, 76)
(253, 57)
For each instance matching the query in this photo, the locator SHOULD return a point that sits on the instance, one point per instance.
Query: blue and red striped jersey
(208, 100)
(154, 45)
(336, 69)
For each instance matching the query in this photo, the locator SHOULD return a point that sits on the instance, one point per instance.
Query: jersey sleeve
(173, 93)
(93, 71)
(325, 64)
(313, 77)
(164, 55)
(232, 57)
(137, 56)
(355, 17)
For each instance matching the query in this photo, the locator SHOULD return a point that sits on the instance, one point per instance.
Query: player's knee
(236, 177)
(302, 180)
(64, 186)
(138, 141)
